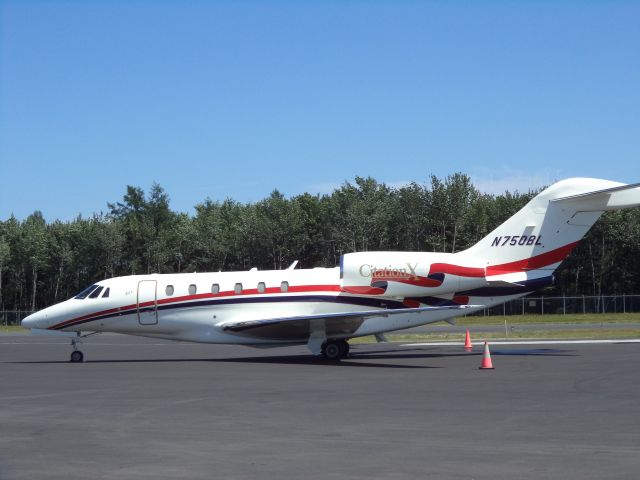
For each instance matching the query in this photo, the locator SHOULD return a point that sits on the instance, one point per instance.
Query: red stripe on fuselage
(200, 296)
(456, 270)
(94, 314)
(363, 290)
(533, 263)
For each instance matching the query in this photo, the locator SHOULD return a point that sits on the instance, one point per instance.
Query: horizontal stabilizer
(621, 196)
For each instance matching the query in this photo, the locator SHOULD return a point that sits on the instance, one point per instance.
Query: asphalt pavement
(148, 409)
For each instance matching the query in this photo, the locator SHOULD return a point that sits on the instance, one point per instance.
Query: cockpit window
(96, 292)
(85, 292)
(106, 293)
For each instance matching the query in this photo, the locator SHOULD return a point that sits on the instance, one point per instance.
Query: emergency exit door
(147, 302)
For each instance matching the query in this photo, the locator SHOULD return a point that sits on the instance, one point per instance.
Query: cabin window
(85, 292)
(192, 289)
(284, 287)
(96, 292)
(215, 289)
(106, 293)
(238, 288)
(169, 290)
(261, 287)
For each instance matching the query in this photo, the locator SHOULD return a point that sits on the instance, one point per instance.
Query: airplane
(369, 293)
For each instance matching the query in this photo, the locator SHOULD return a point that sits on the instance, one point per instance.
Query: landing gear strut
(76, 356)
(335, 349)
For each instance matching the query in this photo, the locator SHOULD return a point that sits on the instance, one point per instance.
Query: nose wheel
(76, 356)
(335, 349)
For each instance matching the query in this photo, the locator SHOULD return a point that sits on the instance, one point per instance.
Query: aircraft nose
(32, 320)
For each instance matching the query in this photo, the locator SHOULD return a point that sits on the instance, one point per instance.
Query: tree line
(45, 262)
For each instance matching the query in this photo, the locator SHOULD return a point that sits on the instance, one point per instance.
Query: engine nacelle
(408, 274)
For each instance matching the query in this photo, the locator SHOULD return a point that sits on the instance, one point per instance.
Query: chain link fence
(13, 317)
(567, 305)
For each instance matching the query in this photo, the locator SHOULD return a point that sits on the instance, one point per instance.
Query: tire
(332, 351)
(76, 356)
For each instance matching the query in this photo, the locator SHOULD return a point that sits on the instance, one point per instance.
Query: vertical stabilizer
(545, 231)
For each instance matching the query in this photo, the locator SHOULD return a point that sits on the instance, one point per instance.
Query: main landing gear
(335, 349)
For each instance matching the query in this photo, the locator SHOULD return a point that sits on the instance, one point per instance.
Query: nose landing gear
(76, 356)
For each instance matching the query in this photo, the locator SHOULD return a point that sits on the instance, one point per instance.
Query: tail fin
(534, 241)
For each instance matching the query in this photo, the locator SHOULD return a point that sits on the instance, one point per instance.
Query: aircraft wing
(335, 323)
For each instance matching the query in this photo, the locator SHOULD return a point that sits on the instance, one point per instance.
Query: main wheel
(332, 351)
(77, 356)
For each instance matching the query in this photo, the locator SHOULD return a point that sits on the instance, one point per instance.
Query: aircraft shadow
(283, 360)
(358, 358)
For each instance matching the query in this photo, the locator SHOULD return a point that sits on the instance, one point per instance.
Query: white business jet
(370, 293)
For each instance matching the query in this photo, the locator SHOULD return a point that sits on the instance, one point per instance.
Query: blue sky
(234, 99)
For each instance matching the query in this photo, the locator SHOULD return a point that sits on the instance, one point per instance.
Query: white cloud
(400, 183)
(323, 188)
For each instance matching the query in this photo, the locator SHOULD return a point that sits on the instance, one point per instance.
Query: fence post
(624, 307)
(542, 305)
(522, 305)
(564, 305)
(584, 307)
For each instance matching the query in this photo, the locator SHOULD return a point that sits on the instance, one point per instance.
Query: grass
(12, 329)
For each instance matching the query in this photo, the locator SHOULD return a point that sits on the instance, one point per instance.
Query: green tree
(35, 242)
(5, 252)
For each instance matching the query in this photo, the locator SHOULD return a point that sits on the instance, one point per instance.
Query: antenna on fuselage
(293, 265)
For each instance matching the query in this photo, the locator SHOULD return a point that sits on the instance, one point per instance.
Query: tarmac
(149, 409)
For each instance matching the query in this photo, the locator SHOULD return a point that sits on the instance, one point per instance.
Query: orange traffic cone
(467, 342)
(486, 358)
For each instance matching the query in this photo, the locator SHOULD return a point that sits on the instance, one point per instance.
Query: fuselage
(198, 306)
